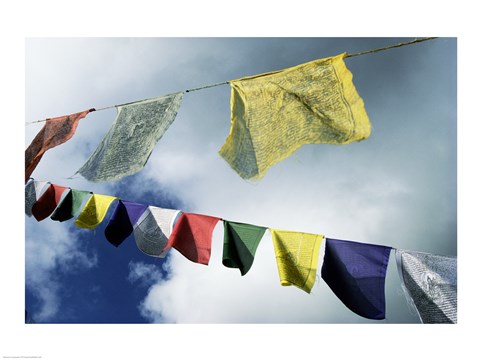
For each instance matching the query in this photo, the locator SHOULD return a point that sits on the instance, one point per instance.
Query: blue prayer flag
(356, 274)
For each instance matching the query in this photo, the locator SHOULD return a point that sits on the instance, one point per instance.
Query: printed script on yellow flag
(297, 257)
(94, 211)
(274, 114)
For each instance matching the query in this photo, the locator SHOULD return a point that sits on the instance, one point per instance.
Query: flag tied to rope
(297, 257)
(33, 191)
(356, 274)
(54, 132)
(240, 242)
(94, 211)
(47, 203)
(128, 144)
(430, 282)
(120, 225)
(274, 114)
(192, 237)
(153, 229)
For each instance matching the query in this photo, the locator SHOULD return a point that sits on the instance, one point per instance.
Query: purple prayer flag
(356, 274)
(120, 225)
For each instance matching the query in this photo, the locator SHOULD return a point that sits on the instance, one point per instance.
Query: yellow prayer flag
(297, 257)
(94, 211)
(274, 114)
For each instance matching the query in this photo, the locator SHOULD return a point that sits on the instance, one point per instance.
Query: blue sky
(396, 188)
(61, 79)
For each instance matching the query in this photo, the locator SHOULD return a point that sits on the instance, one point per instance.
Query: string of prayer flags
(70, 205)
(47, 203)
(120, 225)
(275, 113)
(356, 274)
(128, 144)
(240, 242)
(430, 282)
(153, 229)
(54, 132)
(192, 237)
(94, 211)
(297, 257)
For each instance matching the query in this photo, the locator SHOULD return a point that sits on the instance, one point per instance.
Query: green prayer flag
(70, 205)
(240, 242)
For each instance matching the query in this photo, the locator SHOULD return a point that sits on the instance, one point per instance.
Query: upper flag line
(228, 81)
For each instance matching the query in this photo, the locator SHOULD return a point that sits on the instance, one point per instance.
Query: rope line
(226, 82)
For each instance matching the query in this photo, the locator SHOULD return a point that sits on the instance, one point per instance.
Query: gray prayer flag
(131, 139)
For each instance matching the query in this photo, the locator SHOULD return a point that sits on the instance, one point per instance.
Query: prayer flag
(192, 237)
(131, 139)
(47, 203)
(153, 229)
(70, 205)
(120, 225)
(297, 257)
(94, 211)
(356, 274)
(430, 282)
(33, 191)
(274, 114)
(240, 242)
(56, 131)
(30, 196)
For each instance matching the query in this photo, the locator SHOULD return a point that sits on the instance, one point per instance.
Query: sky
(397, 188)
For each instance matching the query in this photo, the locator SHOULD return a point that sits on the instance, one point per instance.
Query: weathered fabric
(192, 237)
(56, 131)
(153, 229)
(47, 203)
(70, 205)
(30, 196)
(240, 242)
(131, 139)
(94, 211)
(120, 225)
(33, 190)
(430, 282)
(356, 274)
(274, 114)
(297, 257)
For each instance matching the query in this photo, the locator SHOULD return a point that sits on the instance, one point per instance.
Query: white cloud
(51, 248)
(145, 274)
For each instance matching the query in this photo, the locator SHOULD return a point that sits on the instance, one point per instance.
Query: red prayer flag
(47, 203)
(56, 131)
(192, 236)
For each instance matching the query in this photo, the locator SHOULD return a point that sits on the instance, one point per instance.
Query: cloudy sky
(396, 188)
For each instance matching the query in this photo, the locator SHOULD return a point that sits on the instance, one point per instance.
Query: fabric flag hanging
(70, 205)
(274, 114)
(431, 283)
(297, 257)
(47, 203)
(30, 196)
(192, 237)
(131, 139)
(120, 225)
(153, 229)
(240, 242)
(94, 211)
(356, 274)
(55, 132)
(33, 190)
